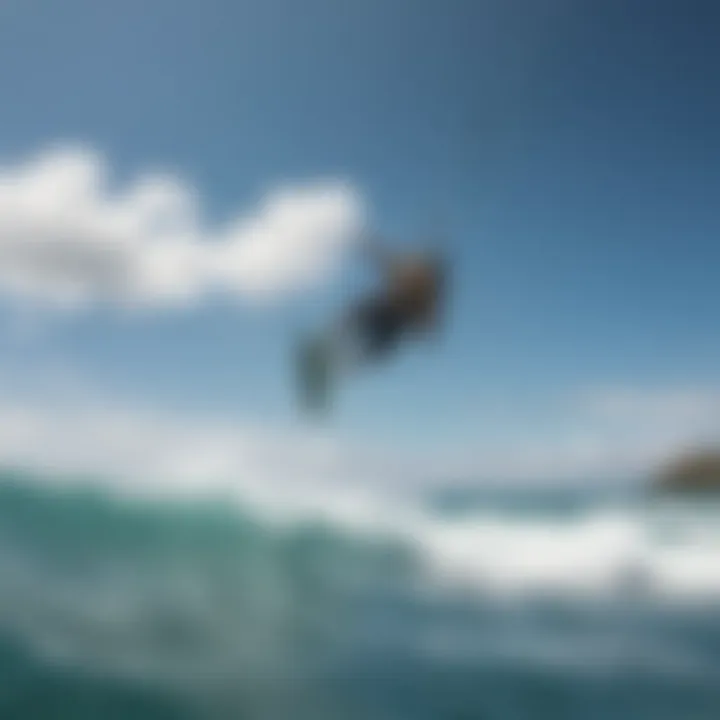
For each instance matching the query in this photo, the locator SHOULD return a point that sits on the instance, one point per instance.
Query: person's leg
(368, 333)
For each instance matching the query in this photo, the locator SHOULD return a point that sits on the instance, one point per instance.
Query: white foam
(607, 553)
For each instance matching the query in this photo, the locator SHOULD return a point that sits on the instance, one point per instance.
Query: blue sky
(568, 149)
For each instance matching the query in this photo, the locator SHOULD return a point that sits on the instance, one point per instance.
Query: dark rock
(697, 471)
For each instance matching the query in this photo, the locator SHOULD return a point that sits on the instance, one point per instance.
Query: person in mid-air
(407, 304)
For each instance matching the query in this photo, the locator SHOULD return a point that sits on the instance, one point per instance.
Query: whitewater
(329, 600)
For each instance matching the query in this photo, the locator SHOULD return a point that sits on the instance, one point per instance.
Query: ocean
(504, 604)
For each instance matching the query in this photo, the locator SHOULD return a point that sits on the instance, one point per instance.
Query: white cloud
(603, 433)
(67, 238)
(683, 411)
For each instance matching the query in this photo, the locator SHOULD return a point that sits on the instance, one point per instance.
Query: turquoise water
(572, 607)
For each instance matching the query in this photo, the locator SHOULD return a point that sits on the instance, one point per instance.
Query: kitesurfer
(407, 304)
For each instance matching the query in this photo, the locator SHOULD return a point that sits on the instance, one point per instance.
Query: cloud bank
(68, 239)
(613, 433)
(601, 433)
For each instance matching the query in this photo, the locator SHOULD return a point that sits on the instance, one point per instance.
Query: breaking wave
(330, 606)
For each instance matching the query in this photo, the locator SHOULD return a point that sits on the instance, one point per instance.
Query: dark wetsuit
(383, 320)
(380, 325)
